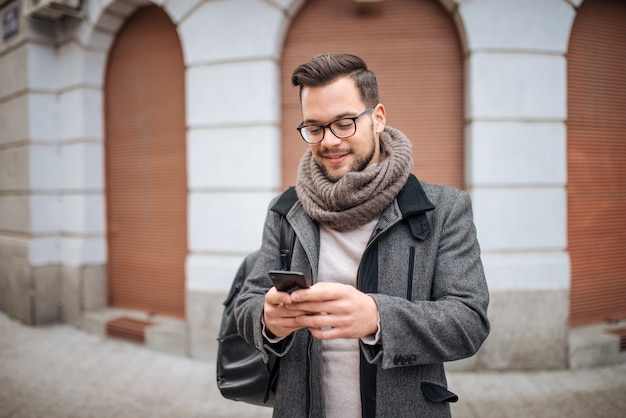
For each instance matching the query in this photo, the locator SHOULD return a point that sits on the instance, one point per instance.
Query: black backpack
(241, 373)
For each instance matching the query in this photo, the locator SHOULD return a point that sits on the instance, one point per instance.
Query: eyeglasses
(343, 128)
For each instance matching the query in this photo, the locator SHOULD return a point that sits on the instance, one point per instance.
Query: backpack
(241, 373)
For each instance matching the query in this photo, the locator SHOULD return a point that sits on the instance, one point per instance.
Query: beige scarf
(357, 197)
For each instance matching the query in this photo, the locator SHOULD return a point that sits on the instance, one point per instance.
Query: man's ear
(379, 116)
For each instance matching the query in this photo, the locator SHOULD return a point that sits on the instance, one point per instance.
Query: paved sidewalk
(61, 371)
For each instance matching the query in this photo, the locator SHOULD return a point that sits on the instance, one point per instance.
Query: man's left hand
(335, 311)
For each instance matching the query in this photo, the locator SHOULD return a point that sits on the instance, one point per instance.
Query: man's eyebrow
(337, 117)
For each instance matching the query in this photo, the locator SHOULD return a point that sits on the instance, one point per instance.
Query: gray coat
(422, 266)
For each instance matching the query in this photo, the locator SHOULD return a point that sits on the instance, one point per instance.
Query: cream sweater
(340, 254)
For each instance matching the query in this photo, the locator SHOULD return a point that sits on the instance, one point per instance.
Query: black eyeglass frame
(329, 126)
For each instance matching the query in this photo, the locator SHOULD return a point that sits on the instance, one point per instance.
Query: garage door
(146, 185)
(414, 49)
(596, 143)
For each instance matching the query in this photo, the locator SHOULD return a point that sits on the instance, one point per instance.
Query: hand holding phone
(288, 281)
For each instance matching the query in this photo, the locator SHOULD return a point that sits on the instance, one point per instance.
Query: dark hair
(326, 68)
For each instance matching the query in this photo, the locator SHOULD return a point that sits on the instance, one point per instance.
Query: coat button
(404, 360)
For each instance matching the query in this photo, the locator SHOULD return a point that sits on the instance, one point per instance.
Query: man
(397, 285)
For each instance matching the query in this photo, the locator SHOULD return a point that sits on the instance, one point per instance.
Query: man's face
(341, 99)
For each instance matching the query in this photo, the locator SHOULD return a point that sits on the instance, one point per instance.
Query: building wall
(52, 229)
(516, 110)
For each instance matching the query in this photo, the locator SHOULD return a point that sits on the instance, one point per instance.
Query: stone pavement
(61, 371)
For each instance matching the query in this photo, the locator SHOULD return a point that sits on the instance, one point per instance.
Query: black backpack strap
(287, 237)
(287, 241)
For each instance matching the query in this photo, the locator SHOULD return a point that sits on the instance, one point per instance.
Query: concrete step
(597, 345)
(167, 334)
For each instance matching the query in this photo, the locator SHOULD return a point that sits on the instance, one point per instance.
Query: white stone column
(516, 173)
(233, 147)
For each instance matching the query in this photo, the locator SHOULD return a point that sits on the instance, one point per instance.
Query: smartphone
(288, 281)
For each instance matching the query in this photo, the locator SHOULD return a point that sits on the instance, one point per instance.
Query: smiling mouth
(334, 155)
(336, 159)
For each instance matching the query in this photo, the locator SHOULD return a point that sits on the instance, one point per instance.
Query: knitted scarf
(357, 197)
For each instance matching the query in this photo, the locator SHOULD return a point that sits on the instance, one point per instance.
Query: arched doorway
(145, 164)
(414, 49)
(596, 154)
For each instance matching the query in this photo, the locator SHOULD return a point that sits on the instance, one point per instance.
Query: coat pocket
(437, 393)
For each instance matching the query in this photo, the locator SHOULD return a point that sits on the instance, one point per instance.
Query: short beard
(359, 164)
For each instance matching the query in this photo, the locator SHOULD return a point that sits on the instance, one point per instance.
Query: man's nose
(330, 138)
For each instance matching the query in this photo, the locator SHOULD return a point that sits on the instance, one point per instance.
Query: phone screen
(288, 281)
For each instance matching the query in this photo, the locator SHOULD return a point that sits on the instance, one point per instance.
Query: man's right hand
(278, 320)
